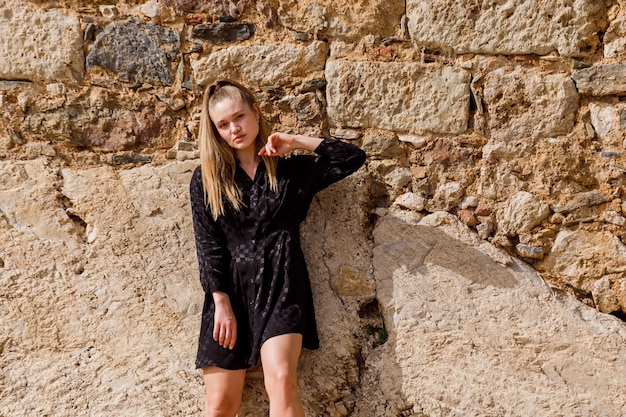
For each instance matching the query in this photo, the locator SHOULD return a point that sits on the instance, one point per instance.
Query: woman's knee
(280, 381)
(221, 406)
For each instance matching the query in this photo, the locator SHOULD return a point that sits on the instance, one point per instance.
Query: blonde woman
(247, 203)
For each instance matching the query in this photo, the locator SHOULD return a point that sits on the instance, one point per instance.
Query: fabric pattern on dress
(254, 255)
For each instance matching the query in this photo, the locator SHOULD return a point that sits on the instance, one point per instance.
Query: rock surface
(505, 27)
(475, 266)
(39, 45)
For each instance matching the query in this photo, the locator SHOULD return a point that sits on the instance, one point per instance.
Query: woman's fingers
(226, 336)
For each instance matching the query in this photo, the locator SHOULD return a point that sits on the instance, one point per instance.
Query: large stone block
(506, 27)
(403, 97)
(472, 336)
(136, 51)
(39, 45)
(342, 20)
(524, 104)
(261, 65)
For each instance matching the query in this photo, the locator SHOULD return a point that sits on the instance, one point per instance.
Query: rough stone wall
(475, 266)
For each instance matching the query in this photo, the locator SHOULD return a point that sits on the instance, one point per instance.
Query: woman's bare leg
(279, 356)
(224, 389)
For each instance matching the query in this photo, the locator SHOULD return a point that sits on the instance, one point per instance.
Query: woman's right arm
(212, 260)
(213, 264)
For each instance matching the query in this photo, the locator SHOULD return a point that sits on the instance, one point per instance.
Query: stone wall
(475, 266)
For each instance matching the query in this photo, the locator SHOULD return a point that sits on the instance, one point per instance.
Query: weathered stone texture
(526, 105)
(397, 96)
(471, 334)
(137, 52)
(342, 20)
(601, 80)
(261, 65)
(90, 301)
(39, 45)
(505, 27)
(421, 311)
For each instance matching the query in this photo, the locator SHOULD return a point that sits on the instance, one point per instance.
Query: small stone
(410, 201)
(109, 12)
(467, 217)
(171, 153)
(523, 212)
(527, 251)
(346, 134)
(312, 85)
(307, 108)
(398, 178)
(382, 144)
(301, 36)
(15, 137)
(224, 32)
(469, 201)
(591, 132)
(609, 154)
(601, 80)
(183, 145)
(613, 217)
(187, 155)
(586, 199)
(130, 159)
(417, 141)
(151, 9)
(484, 230)
(450, 194)
(90, 32)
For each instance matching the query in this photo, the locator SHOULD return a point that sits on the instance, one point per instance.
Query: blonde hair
(217, 158)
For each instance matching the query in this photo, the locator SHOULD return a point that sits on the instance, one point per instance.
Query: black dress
(254, 255)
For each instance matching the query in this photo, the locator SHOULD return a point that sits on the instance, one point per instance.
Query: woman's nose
(234, 127)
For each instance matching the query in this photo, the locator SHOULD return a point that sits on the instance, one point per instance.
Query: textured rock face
(39, 44)
(462, 342)
(505, 27)
(137, 52)
(392, 96)
(339, 20)
(474, 266)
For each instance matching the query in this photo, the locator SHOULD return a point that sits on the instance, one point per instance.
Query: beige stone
(44, 44)
(525, 105)
(262, 65)
(395, 96)
(342, 20)
(464, 346)
(505, 27)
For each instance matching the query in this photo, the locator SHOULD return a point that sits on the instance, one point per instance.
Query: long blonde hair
(217, 158)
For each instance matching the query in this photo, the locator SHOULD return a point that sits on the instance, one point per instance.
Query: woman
(247, 204)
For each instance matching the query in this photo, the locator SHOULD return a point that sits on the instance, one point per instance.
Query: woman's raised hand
(278, 144)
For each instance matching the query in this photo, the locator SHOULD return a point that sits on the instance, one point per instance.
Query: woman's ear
(257, 112)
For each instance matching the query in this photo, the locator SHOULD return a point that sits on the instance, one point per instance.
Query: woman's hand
(279, 144)
(225, 323)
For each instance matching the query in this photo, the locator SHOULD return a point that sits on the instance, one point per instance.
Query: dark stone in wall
(601, 80)
(138, 52)
(224, 32)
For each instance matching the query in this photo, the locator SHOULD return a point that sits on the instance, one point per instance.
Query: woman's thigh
(280, 354)
(224, 389)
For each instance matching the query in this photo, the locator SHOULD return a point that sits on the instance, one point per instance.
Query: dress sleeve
(210, 245)
(337, 160)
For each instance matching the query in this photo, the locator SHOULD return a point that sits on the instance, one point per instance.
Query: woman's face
(236, 122)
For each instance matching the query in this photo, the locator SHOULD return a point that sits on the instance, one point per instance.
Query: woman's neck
(248, 161)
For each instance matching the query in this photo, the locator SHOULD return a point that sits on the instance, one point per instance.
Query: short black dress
(254, 255)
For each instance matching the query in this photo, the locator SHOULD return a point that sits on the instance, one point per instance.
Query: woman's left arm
(337, 159)
(279, 144)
